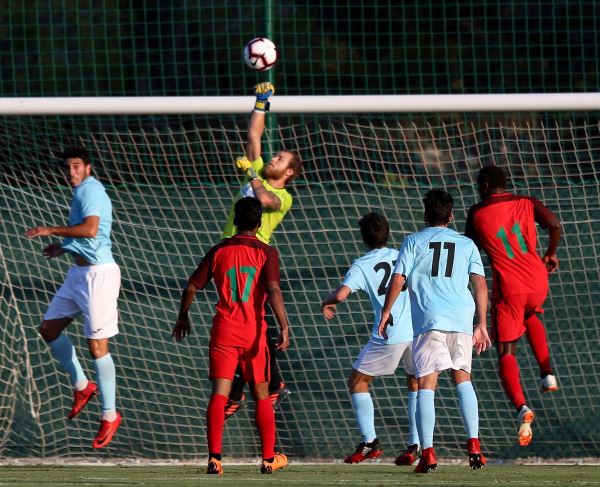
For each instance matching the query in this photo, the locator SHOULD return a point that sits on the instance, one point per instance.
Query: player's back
(371, 273)
(504, 225)
(241, 267)
(437, 262)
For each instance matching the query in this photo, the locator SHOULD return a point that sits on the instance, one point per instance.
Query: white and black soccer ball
(260, 54)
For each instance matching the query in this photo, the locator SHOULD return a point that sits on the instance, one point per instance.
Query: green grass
(302, 475)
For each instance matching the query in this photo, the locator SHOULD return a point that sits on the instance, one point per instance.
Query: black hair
(374, 229)
(247, 213)
(494, 176)
(438, 207)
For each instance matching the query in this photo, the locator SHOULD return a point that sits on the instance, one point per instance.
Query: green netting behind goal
(171, 188)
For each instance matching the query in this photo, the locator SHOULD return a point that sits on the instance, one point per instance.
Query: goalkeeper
(267, 183)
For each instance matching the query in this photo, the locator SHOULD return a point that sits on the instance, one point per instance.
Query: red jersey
(241, 267)
(504, 225)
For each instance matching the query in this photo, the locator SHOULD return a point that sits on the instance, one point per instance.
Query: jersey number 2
(387, 272)
(234, 285)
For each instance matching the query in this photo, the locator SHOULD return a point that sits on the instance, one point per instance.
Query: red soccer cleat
(476, 458)
(279, 395)
(428, 462)
(232, 407)
(106, 432)
(409, 456)
(365, 451)
(81, 398)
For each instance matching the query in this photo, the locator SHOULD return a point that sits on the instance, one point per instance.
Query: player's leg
(409, 456)
(425, 418)
(278, 391)
(256, 368)
(237, 398)
(215, 413)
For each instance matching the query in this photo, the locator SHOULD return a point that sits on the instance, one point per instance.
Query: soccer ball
(260, 54)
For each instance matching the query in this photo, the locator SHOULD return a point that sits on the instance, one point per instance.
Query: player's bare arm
(329, 303)
(182, 326)
(481, 339)
(266, 197)
(276, 302)
(256, 129)
(550, 258)
(394, 290)
(86, 229)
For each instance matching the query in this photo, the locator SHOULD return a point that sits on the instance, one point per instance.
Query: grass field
(303, 475)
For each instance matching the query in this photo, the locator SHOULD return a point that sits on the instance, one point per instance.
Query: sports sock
(215, 421)
(265, 423)
(413, 433)
(536, 335)
(425, 416)
(107, 383)
(469, 409)
(64, 351)
(511, 381)
(365, 415)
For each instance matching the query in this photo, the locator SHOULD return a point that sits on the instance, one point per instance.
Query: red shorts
(509, 314)
(254, 363)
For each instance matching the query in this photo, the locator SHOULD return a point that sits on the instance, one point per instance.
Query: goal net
(172, 182)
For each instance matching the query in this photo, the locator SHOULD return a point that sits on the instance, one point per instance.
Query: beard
(270, 172)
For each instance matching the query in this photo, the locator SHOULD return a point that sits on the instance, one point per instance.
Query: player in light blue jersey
(437, 265)
(371, 273)
(91, 289)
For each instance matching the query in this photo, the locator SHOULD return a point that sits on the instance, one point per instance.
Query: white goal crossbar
(300, 104)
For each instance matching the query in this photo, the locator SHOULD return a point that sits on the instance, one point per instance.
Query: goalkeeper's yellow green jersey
(270, 218)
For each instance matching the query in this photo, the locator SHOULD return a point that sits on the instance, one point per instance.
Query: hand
(328, 310)
(551, 262)
(38, 232)
(243, 163)
(386, 319)
(263, 92)
(181, 329)
(53, 250)
(481, 339)
(283, 340)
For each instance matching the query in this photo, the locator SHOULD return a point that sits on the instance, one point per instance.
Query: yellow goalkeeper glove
(245, 165)
(263, 92)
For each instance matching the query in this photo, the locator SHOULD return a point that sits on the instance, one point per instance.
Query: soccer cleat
(81, 398)
(549, 384)
(214, 467)
(364, 451)
(279, 395)
(476, 458)
(409, 456)
(279, 461)
(232, 407)
(525, 419)
(107, 431)
(428, 462)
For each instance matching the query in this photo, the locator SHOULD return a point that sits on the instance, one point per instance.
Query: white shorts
(436, 350)
(377, 359)
(91, 291)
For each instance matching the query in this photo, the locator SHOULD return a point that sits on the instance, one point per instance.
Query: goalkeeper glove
(245, 165)
(263, 92)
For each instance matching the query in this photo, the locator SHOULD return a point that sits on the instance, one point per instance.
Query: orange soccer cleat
(428, 462)
(81, 398)
(279, 461)
(214, 467)
(476, 458)
(107, 431)
(525, 419)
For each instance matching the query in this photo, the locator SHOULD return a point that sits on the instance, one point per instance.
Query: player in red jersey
(504, 225)
(246, 273)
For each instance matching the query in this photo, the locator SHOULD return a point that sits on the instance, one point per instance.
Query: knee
(47, 332)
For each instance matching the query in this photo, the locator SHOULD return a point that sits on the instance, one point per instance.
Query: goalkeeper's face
(279, 167)
(76, 171)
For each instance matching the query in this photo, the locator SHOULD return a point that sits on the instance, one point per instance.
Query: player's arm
(88, 228)
(198, 280)
(267, 198)
(275, 297)
(549, 221)
(481, 339)
(337, 296)
(394, 290)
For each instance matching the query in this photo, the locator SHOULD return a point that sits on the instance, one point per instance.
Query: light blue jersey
(371, 273)
(90, 199)
(437, 262)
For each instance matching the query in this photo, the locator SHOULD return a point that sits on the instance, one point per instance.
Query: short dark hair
(438, 207)
(247, 213)
(494, 176)
(374, 229)
(76, 153)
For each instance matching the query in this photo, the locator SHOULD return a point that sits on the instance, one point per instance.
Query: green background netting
(172, 182)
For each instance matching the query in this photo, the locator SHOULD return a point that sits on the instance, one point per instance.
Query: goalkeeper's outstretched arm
(256, 127)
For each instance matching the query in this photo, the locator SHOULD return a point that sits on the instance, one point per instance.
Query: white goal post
(145, 105)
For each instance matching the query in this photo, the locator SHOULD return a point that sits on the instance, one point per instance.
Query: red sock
(536, 335)
(509, 373)
(215, 421)
(265, 422)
